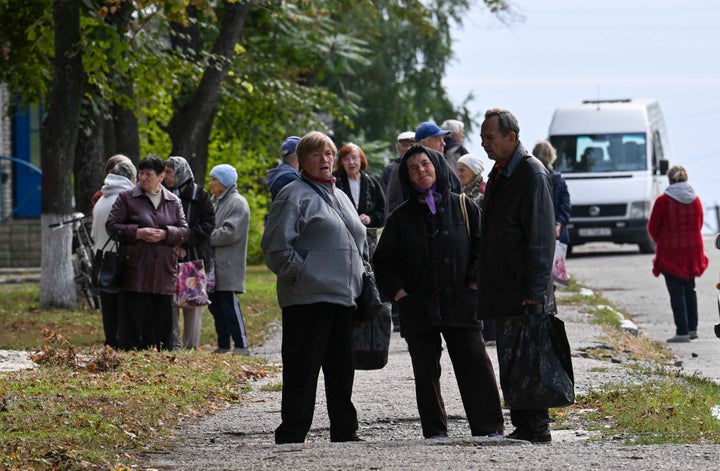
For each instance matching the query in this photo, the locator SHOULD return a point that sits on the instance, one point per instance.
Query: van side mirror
(664, 166)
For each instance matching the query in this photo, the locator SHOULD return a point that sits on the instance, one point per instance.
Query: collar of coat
(138, 192)
(230, 189)
(514, 162)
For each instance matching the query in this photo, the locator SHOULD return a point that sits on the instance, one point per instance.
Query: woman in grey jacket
(229, 241)
(312, 242)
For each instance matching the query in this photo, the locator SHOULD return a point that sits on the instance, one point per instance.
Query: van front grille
(598, 210)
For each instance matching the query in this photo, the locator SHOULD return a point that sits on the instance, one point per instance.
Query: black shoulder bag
(107, 267)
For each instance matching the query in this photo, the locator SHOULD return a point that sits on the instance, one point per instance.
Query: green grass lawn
(86, 406)
(23, 320)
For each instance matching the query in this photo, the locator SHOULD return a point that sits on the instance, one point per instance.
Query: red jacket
(676, 229)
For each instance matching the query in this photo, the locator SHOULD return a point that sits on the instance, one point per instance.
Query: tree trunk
(191, 124)
(89, 159)
(58, 136)
(127, 133)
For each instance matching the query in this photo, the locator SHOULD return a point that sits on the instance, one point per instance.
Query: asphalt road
(624, 277)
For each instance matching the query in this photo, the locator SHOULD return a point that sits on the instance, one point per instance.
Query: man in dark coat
(518, 243)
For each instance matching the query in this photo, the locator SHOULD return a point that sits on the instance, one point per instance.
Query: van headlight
(640, 210)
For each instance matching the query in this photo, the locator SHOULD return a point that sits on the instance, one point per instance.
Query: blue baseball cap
(428, 129)
(289, 145)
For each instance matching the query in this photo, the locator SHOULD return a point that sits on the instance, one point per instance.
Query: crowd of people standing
(434, 230)
(163, 219)
(437, 261)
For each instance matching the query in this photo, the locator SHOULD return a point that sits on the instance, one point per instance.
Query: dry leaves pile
(85, 409)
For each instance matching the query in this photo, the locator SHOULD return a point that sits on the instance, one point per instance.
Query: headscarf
(183, 172)
(440, 188)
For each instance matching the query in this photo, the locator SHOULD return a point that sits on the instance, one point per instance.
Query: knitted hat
(473, 162)
(225, 174)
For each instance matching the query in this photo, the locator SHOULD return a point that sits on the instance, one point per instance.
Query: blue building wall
(28, 185)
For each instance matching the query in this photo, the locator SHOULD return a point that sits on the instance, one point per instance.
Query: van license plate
(594, 232)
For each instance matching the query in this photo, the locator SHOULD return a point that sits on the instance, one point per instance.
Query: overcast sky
(565, 51)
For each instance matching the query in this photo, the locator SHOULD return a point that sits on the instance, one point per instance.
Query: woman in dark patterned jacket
(364, 191)
(200, 216)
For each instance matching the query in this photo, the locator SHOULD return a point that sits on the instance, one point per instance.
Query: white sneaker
(679, 338)
(693, 334)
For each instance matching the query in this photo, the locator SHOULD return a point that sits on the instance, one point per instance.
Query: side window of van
(658, 153)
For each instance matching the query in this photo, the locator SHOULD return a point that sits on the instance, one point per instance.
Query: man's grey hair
(125, 169)
(453, 125)
(506, 121)
(289, 158)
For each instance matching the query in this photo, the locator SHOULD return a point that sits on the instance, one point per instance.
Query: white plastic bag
(560, 276)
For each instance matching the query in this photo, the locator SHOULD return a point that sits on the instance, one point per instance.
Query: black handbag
(540, 373)
(371, 339)
(107, 267)
(369, 304)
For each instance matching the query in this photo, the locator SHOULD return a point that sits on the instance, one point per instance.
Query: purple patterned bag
(191, 285)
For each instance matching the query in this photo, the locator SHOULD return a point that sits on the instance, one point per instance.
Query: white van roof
(604, 116)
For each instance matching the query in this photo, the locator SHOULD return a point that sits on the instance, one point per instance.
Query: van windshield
(600, 153)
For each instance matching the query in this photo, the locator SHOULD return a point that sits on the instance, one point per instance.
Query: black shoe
(349, 438)
(529, 436)
(282, 441)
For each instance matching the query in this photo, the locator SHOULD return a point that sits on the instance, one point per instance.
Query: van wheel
(647, 246)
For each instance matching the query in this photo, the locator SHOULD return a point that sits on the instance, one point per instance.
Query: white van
(613, 155)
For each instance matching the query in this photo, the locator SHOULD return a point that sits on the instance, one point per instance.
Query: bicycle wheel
(83, 281)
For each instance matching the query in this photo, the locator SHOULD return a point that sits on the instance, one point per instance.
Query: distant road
(624, 277)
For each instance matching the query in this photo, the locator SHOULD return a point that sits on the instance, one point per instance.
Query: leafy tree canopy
(360, 70)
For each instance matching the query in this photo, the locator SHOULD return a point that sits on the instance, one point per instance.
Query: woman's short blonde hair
(677, 174)
(545, 152)
(311, 142)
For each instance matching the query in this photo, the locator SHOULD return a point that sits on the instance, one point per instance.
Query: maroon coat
(149, 267)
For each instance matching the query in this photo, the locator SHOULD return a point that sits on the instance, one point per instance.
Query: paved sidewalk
(241, 437)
